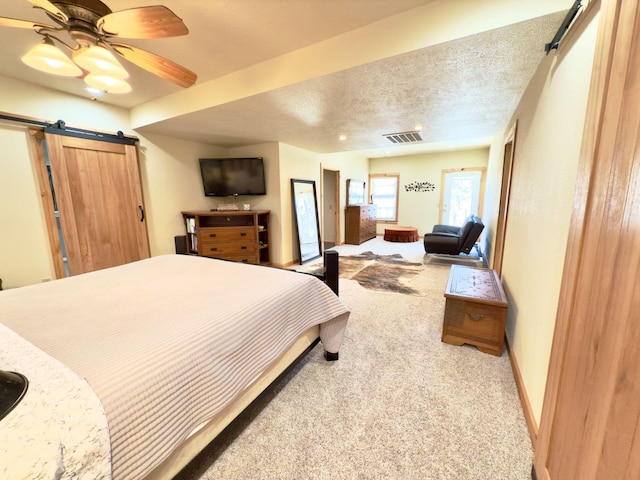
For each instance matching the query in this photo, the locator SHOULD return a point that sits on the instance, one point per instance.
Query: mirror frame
(305, 210)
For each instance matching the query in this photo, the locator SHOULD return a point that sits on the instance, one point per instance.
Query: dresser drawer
(239, 257)
(214, 248)
(228, 234)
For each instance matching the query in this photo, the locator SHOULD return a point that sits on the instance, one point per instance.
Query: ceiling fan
(93, 29)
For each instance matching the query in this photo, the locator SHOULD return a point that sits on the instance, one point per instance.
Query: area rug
(388, 273)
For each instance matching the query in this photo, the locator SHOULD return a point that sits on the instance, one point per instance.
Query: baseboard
(532, 426)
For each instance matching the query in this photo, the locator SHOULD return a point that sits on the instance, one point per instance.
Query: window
(383, 191)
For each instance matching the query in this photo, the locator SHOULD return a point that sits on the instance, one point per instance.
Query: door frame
(443, 174)
(505, 193)
(336, 200)
(36, 145)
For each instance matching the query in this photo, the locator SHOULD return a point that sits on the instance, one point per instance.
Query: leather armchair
(453, 240)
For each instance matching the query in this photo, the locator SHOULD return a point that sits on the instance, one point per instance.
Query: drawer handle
(244, 247)
(243, 234)
(212, 235)
(475, 316)
(214, 249)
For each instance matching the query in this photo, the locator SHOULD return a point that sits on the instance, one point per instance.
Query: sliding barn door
(590, 427)
(99, 200)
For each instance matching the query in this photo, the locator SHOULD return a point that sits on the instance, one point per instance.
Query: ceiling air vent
(403, 137)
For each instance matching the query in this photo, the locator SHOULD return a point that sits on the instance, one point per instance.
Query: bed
(134, 369)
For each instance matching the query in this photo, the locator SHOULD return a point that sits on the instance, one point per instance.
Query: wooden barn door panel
(99, 198)
(591, 412)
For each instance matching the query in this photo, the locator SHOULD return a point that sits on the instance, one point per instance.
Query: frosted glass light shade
(107, 83)
(100, 61)
(48, 58)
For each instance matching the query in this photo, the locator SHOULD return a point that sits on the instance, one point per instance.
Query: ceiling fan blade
(143, 22)
(157, 65)
(12, 22)
(51, 8)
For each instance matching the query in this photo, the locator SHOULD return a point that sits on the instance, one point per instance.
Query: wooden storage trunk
(475, 309)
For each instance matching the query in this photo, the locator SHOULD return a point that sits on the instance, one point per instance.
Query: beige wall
(171, 183)
(270, 152)
(24, 245)
(492, 196)
(421, 209)
(169, 169)
(351, 165)
(25, 256)
(550, 122)
(302, 165)
(170, 174)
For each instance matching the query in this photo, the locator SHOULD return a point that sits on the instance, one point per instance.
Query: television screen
(224, 177)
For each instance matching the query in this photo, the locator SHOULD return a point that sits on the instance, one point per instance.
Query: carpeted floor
(399, 404)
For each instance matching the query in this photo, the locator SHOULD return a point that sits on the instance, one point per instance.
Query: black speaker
(181, 244)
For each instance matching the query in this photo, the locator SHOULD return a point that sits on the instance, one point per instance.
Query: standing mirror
(305, 209)
(355, 192)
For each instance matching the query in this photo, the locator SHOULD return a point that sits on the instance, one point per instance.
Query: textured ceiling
(461, 90)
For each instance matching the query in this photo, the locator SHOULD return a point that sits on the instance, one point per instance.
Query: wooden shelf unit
(237, 235)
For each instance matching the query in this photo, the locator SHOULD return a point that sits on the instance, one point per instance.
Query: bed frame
(198, 441)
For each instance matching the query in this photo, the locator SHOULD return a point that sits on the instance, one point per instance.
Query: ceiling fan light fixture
(107, 84)
(98, 60)
(48, 58)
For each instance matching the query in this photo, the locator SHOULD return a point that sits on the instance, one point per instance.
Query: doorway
(330, 207)
(461, 195)
(505, 189)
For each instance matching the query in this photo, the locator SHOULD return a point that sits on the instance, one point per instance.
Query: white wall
(550, 123)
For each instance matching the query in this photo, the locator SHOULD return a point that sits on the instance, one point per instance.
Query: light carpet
(399, 404)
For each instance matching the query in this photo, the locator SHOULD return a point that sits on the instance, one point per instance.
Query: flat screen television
(225, 177)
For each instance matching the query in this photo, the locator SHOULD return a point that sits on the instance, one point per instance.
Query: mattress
(164, 344)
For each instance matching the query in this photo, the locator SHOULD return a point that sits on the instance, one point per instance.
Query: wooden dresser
(241, 236)
(475, 309)
(360, 223)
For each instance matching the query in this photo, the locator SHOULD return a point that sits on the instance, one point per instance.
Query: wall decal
(420, 187)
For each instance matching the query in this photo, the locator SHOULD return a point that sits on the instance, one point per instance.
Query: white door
(461, 196)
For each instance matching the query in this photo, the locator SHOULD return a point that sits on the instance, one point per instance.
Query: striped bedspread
(167, 342)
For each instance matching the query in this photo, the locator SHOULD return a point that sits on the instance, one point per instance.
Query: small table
(401, 234)
(475, 309)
